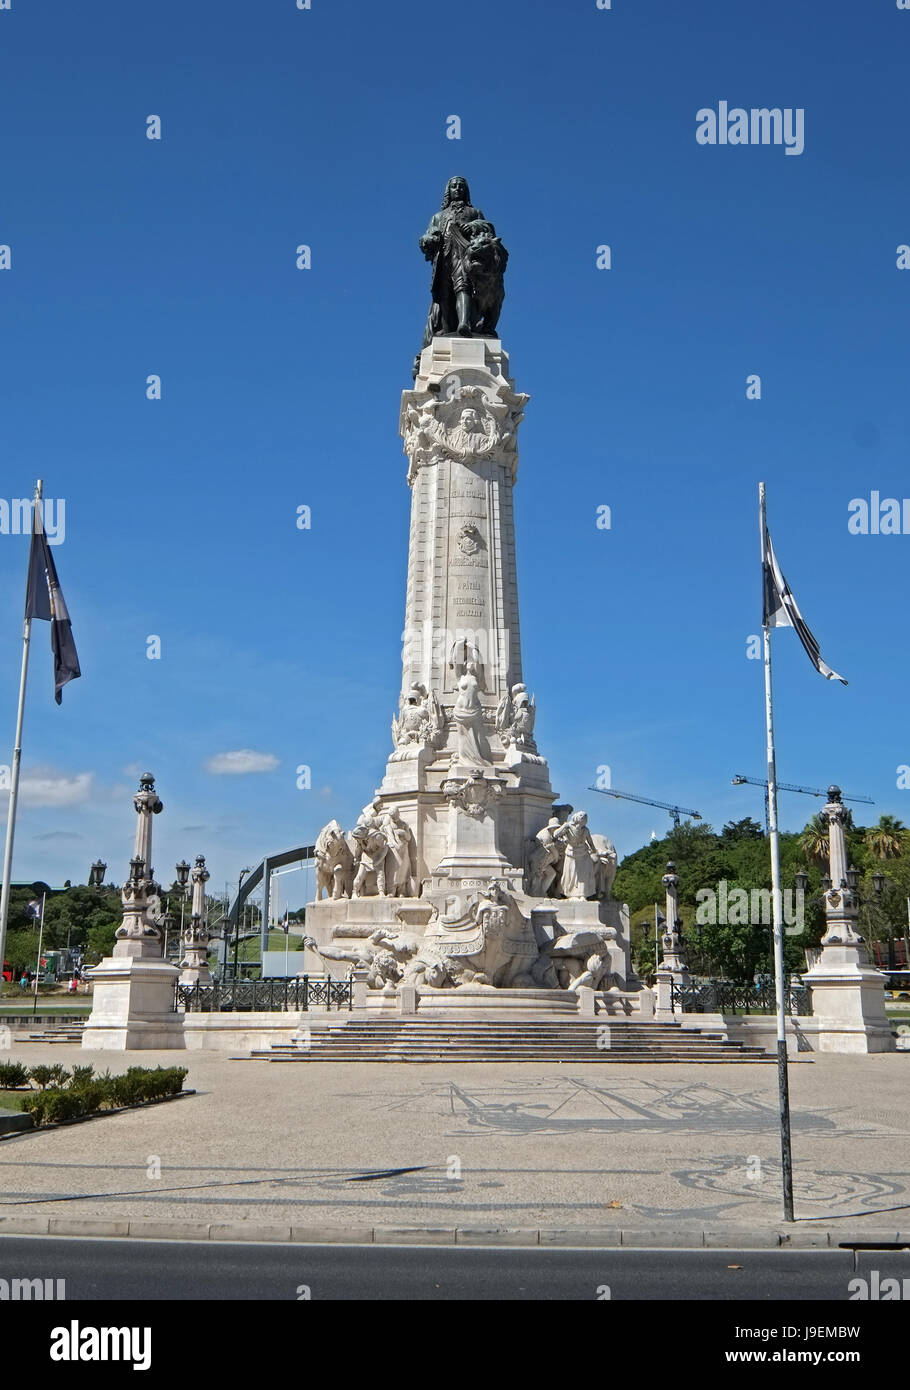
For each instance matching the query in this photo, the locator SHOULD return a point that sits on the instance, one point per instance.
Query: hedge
(69, 1097)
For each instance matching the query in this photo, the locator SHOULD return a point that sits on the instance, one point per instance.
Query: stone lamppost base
(848, 1001)
(133, 1005)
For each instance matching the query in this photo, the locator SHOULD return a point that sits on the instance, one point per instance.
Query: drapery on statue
(469, 263)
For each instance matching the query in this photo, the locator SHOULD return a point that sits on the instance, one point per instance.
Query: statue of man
(468, 264)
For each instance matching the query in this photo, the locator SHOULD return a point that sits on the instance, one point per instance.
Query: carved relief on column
(467, 423)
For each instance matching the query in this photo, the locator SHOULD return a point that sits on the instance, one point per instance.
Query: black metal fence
(725, 997)
(266, 996)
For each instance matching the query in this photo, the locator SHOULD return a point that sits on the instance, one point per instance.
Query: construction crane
(675, 811)
(739, 780)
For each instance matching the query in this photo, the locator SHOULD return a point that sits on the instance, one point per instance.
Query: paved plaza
(669, 1154)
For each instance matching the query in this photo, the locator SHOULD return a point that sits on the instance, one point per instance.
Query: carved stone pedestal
(848, 1000)
(133, 1005)
(848, 993)
(133, 989)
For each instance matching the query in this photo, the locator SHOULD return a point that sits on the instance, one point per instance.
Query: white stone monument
(848, 993)
(133, 990)
(462, 841)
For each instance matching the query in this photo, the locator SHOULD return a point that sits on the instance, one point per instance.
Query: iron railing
(266, 996)
(726, 997)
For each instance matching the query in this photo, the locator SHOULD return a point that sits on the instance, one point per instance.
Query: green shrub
(62, 1105)
(92, 1094)
(127, 1089)
(12, 1075)
(36, 1104)
(86, 1093)
(42, 1075)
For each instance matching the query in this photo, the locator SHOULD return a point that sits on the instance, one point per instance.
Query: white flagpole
(38, 966)
(17, 759)
(783, 1084)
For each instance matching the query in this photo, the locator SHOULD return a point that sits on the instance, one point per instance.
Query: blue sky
(282, 387)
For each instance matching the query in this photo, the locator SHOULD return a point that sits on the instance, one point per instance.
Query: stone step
(503, 1059)
(70, 1034)
(514, 1040)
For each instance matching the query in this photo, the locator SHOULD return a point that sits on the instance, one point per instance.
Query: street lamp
(96, 874)
(645, 932)
(169, 922)
(243, 874)
(182, 871)
(878, 883)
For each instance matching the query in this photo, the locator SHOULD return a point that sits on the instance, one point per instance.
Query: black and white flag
(780, 610)
(43, 599)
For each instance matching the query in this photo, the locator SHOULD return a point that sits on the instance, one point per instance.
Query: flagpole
(783, 1084)
(38, 967)
(14, 771)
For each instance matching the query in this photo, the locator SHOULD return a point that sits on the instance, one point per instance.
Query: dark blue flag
(43, 599)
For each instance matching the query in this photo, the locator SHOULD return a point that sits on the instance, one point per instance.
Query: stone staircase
(513, 1040)
(61, 1033)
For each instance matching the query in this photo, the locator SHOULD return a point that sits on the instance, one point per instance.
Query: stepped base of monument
(481, 1000)
(511, 1041)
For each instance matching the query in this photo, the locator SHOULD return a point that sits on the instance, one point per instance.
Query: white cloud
(43, 788)
(242, 760)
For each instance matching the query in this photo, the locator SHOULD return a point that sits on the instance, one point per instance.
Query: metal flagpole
(783, 1085)
(38, 967)
(17, 758)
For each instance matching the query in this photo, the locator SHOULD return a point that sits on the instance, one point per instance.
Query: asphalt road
(128, 1270)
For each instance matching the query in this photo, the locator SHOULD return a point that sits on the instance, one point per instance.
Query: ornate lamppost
(243, 874)
(195, 935)
(138, 933)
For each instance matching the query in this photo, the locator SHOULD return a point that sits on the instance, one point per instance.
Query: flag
(780, 610)
(43, 599)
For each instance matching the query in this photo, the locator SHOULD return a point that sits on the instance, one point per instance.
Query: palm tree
(814, 840)
(887, 839)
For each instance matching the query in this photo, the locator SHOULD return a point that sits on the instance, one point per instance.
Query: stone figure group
(377, 858)
(515, 716)
(488, 941)
(420, 722)
(566, 861)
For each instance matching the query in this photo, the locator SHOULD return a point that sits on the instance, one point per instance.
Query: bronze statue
(469, 263)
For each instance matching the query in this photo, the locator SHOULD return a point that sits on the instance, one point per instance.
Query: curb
(736, 1238)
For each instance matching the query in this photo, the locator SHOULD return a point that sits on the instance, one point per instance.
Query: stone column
(195, 963)
(673, 953)
(848, 993)
(133, 989)
(138, 933)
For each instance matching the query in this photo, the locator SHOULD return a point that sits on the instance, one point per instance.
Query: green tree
(703, 859)
(747, 829)
(814, 840)
(887, 840)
